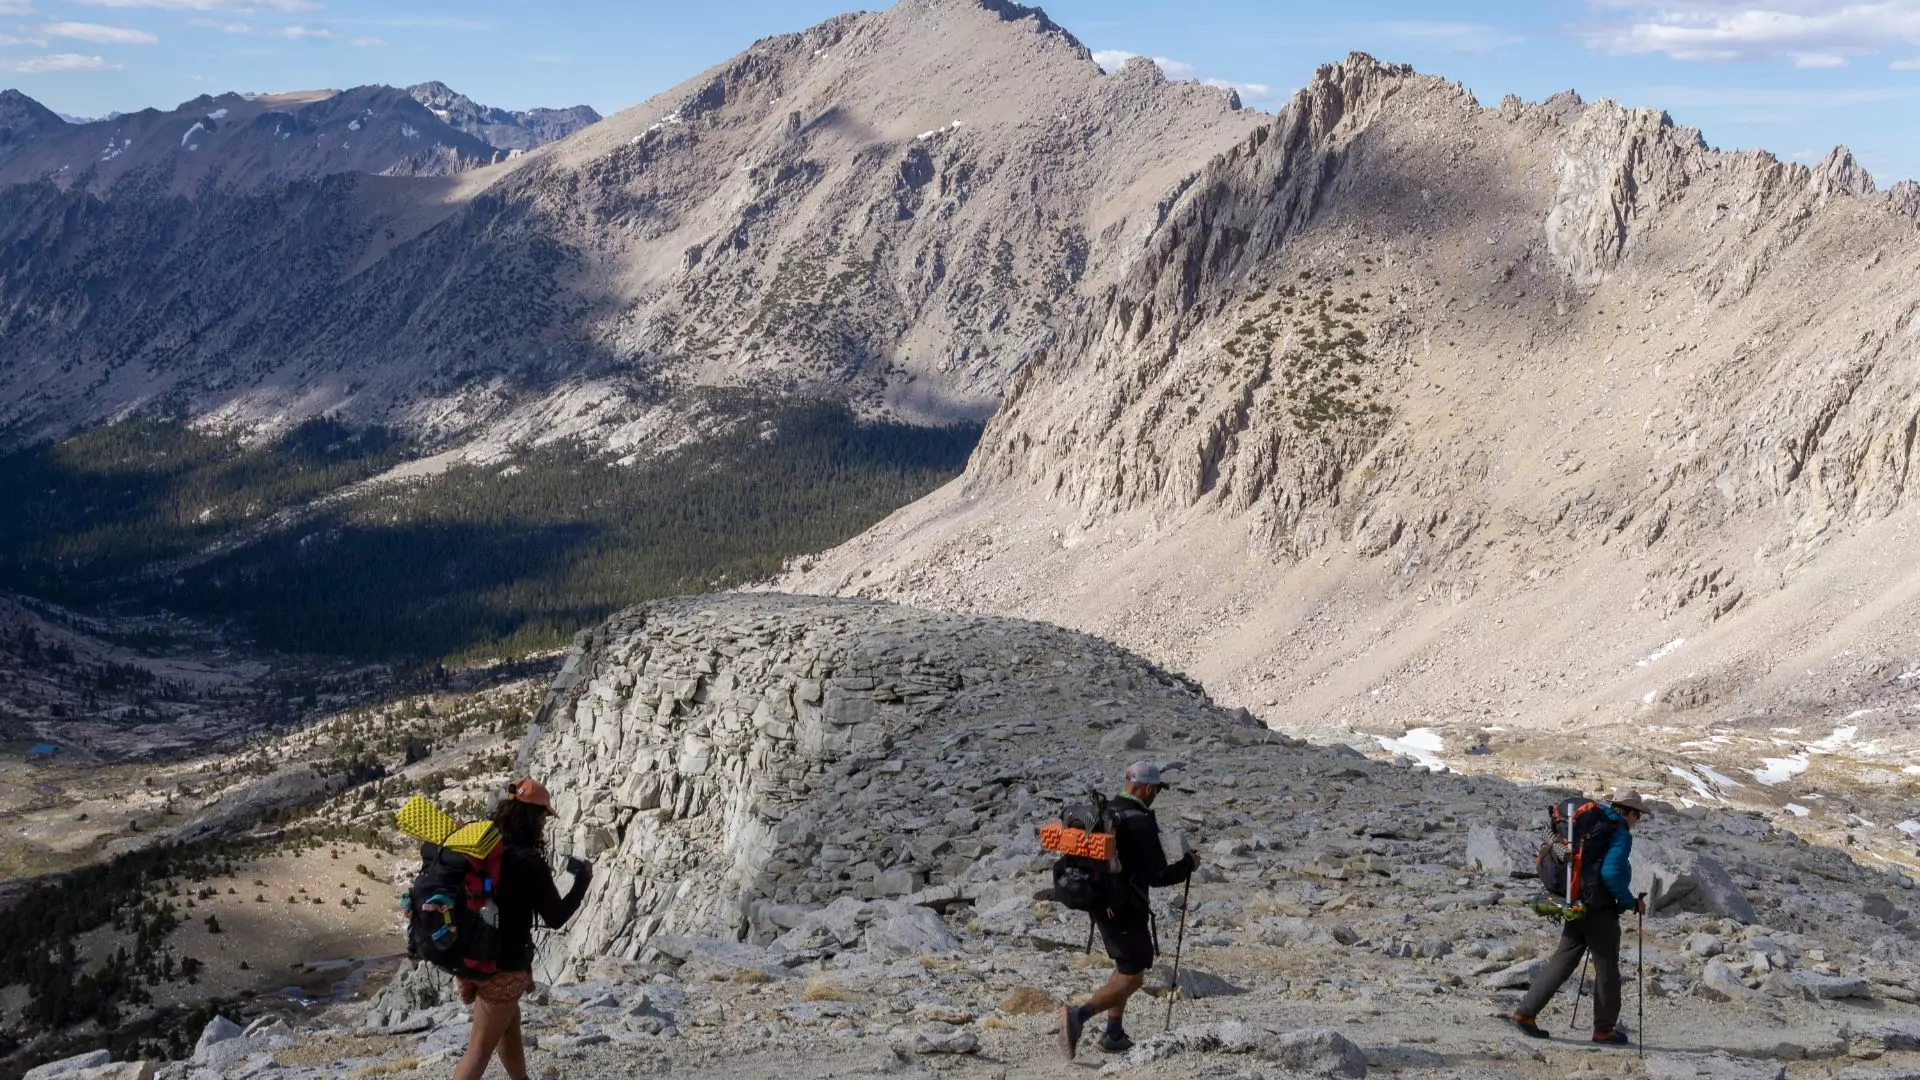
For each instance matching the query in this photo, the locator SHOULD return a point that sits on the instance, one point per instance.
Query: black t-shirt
(1142, 863)
(526, 889)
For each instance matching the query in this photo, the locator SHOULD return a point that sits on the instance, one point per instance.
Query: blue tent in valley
(41, 752)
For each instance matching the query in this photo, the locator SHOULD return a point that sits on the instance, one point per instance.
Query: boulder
(1124, 737)
(1815, 987)
(218, 1030)
(1902, 1033)
(908, 931)
(1513, 977)
(1318, 1052)
(1719, 982)
(1501, 852)
(934, 1039)
(1687, 880)
(1194, 984)
(66, 1067)
(707, 957)
(1867, 1072)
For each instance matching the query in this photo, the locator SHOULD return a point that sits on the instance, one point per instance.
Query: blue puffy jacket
(1616, 870)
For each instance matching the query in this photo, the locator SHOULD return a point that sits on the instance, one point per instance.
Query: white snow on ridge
(217, 114)
(196, 129)
(1709, 772)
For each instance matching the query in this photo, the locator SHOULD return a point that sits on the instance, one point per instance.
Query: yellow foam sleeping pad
(425, 821)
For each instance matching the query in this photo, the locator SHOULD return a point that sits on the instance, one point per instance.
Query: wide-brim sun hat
(1629, 799)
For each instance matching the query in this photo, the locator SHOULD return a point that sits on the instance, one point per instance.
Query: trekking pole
(1640, 971)
(1179, 939)
(1585, 963)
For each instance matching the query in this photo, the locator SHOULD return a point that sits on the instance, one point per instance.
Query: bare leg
(513, 1051)
(490, 1022)
(1112, 998)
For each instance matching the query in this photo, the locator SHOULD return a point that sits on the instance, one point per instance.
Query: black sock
(1113, 1026)
(1084, 1012)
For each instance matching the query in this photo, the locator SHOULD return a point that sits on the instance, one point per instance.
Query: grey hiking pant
(1597, 933)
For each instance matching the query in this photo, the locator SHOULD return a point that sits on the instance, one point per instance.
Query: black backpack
(453, 922)
(1083, 883)
(1579, 834)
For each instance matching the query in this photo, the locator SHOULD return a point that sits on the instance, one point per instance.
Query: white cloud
(15, 7)
(290, 33)
(429, 22)
(6, 40)
(1807, 33)
(42, 65)
(98, 34)
(1115, 59)
(1912, 64)
(366, 42)
(209, 5)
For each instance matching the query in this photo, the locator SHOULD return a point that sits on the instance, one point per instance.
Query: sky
(1795, 77)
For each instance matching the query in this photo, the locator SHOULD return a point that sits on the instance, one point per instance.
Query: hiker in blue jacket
(1605, 892)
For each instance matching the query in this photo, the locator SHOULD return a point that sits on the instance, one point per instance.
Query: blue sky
(1791, 76)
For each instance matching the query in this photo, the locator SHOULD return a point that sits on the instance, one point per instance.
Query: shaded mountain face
(508, 130)
(864, 210)
(23, 120)
(242, 142)
(1408, 408)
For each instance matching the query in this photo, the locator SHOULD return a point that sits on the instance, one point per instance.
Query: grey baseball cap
(1144, 772)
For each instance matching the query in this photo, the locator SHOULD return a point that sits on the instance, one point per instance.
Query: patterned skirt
(505, 987)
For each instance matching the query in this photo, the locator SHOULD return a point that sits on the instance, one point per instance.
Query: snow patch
(671, 118)
(1910, 827)
(353, 125)
(196, 129)
(1661, 653)
(1709, 772)
(1798, 811)
(217, 114)
(1774, 771)
(1699, 786)
(1423, 745)
(409, 131)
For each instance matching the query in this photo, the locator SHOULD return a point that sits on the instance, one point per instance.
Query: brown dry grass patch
(1027, 1001)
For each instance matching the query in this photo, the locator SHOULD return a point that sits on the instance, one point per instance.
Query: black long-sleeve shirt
(527, 889)
(1142, 862)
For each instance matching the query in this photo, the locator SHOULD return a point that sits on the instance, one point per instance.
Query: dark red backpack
(453, 921)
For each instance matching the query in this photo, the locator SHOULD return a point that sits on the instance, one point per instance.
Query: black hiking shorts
(1129, 941)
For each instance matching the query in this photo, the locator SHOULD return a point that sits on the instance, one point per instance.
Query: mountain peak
(23, 119)
(504, 128)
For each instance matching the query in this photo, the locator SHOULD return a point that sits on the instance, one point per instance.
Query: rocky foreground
(814, 825)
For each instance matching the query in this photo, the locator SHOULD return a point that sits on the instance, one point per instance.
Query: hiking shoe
(1115, 1042)
(1071, 1022)
(1527, 1027)
(1611, 1038)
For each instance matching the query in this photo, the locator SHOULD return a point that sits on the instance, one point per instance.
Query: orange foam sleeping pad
(1057, 837)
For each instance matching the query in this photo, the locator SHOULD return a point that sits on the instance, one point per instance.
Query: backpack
(453, 922)
(1569, 859)
(1086, 877)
